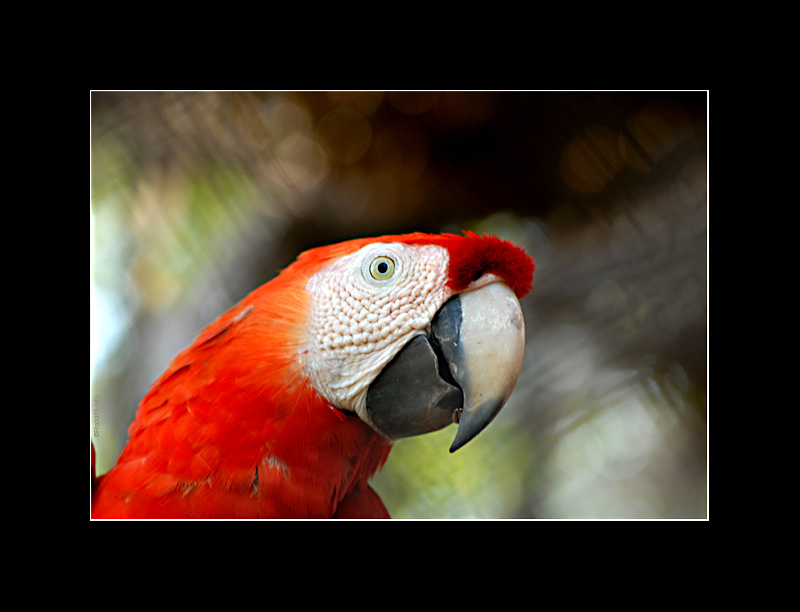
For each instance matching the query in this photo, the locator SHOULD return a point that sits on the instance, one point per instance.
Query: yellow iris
(381, 268)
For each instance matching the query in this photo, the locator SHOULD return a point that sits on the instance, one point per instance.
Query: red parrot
(287, 404)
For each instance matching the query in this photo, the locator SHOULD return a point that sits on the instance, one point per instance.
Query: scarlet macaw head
(418, 331)
(270, 412)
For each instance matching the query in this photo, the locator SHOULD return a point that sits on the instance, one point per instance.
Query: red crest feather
(472, 255)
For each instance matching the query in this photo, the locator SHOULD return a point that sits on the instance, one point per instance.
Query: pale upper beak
(463, 372)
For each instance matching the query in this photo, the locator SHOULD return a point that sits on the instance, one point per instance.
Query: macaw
(287, 404)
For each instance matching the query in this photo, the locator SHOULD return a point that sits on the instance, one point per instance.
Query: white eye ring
(381, 268)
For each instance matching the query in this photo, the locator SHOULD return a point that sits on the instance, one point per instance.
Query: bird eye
(381, 268)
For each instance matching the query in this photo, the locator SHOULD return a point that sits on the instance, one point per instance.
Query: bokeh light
(199, 197)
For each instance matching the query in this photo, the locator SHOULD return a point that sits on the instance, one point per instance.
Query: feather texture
(234, 428)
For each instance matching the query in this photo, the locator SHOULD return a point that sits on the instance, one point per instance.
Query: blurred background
(198, 198)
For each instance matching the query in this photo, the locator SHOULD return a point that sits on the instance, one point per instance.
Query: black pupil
(383, 267)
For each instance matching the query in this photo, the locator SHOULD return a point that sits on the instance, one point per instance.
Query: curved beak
(462, 372)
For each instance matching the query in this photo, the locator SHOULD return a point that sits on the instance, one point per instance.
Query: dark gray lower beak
(462, 373)
(411, 396)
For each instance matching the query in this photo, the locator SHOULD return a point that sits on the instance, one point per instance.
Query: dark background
(197, 198)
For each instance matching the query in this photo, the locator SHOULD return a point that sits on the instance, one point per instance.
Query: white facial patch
(365, 307)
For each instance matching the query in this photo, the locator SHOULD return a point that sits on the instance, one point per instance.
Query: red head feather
(472, 256)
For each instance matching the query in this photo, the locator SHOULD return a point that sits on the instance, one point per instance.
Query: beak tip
(462, 437)
(473, 422)
(457, 444)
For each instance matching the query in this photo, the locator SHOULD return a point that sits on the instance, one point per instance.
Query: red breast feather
(234, 429)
